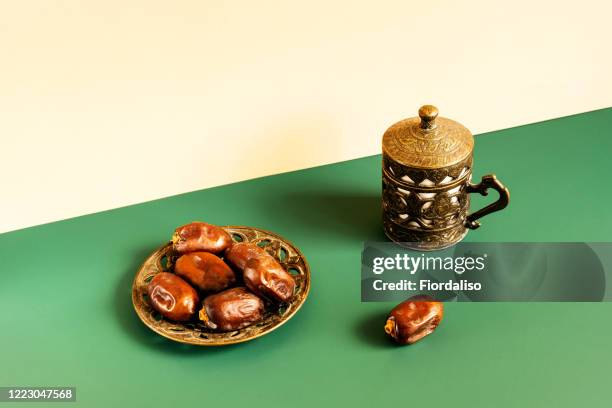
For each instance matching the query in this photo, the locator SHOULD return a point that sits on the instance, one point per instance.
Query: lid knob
(428, 114)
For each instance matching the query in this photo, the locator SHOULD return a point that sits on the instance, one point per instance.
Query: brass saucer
(193, 332)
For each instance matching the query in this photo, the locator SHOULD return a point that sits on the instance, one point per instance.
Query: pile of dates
(234, 279)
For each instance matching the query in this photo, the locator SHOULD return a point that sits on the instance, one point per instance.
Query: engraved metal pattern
(425, 216)
(194, 332)
(426, 174)
(446, 144)
(415, 177)
(424, 240)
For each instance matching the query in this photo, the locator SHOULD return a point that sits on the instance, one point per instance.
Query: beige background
(108, 103)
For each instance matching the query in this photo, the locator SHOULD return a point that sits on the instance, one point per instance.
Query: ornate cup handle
(488, 181)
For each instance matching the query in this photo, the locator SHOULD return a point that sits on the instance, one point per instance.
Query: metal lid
(429, 141)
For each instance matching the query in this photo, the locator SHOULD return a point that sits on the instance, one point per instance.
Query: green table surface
(67, 317)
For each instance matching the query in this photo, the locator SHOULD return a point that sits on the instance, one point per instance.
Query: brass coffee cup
(427, 173)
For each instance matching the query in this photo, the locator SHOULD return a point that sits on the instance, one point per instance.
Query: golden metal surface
(428, 141)
(428, 115)
(426, 174)
(194, 332)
